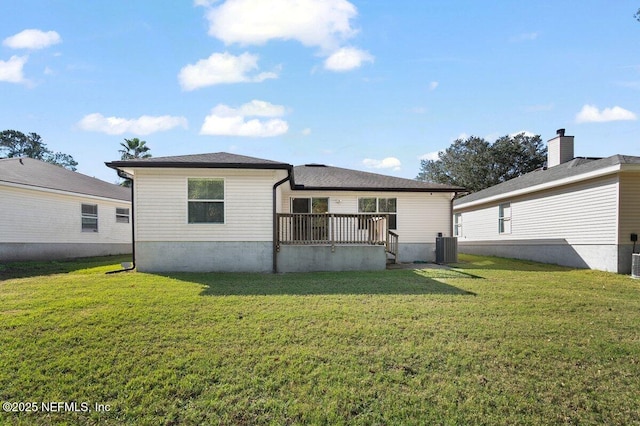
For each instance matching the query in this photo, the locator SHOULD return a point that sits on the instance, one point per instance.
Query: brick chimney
(559, 149)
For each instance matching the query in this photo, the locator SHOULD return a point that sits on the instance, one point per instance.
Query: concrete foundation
(24, 252)
(603, 257)
(204, 256)
(624, 257)
(297, 258)
(416, 252)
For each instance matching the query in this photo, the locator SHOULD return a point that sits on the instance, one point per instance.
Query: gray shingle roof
(310, 177)
(212, 160)
(321, 177)
(575, 167)
(27, 171)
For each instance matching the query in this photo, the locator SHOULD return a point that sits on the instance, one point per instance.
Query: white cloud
(322, 23)
(433, 85)
(32, 39)
(11, 71)
(430, 156)
(386, 163)
(143, 125)
(261, 109)
(591, 114)
(227, 121)
(525, 132)
(306, 131)
(346, 59)
(222, 68)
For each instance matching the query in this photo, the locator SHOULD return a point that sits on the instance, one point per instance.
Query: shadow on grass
(319, 283)
(474, 262)
(33, 269)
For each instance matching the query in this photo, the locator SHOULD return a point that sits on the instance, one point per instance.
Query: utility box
(635, 265)
(446, 250)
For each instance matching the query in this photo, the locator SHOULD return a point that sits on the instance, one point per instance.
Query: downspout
(133, 227)
(451, 214)
(275, 221)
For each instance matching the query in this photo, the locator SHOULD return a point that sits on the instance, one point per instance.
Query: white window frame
(457, 225)
(383, 213)
(124, 215)
(504, 218)
(202, 200)
(88, 216)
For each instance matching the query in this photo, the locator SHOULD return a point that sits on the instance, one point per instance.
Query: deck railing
(392, 244)
(332, 229)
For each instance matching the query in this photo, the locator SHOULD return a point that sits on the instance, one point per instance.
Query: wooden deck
(333, 229)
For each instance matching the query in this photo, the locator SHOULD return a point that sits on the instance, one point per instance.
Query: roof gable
(38, 174)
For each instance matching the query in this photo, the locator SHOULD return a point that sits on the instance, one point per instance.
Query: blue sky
(369, 85)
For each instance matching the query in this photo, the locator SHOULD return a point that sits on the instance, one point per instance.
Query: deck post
(331, 231)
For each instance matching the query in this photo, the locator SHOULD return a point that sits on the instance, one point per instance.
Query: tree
(132, 149)
(475, 164)
(63, 160)
(637, 15)
(16, 144)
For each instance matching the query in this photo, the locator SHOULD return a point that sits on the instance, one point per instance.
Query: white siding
(629, 207)
(584, 213)
(421, 215)
(161, 205)
(39, 216)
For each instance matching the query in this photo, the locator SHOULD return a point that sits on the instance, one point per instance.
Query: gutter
(275, 217)
(133, 227)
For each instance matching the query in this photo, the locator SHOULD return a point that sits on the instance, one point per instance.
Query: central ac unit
(635, 265)
(446, 250)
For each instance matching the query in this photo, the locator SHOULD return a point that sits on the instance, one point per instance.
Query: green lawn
(493, 342)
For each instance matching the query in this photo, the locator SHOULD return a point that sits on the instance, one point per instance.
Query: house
(578, 212)
(51, 213)
(228, 212)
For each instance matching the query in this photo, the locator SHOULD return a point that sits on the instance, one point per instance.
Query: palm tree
(134, 148)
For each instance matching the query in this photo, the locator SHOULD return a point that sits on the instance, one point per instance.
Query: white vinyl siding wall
(629, 207)
(584, 213)
(161, 205)
(421, 215)
(39, 216)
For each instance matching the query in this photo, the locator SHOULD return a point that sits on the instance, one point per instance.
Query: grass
(493, 341)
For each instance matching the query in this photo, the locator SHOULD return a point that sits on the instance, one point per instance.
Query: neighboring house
(51, 213)
(227, 212)
(579, 212)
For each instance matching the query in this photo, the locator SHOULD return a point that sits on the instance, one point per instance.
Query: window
(388, 206)
(89, 218)
(309, 205)
(457, 225)
(504, 218)
(206, 200)
(310, 228)
(122, 215)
